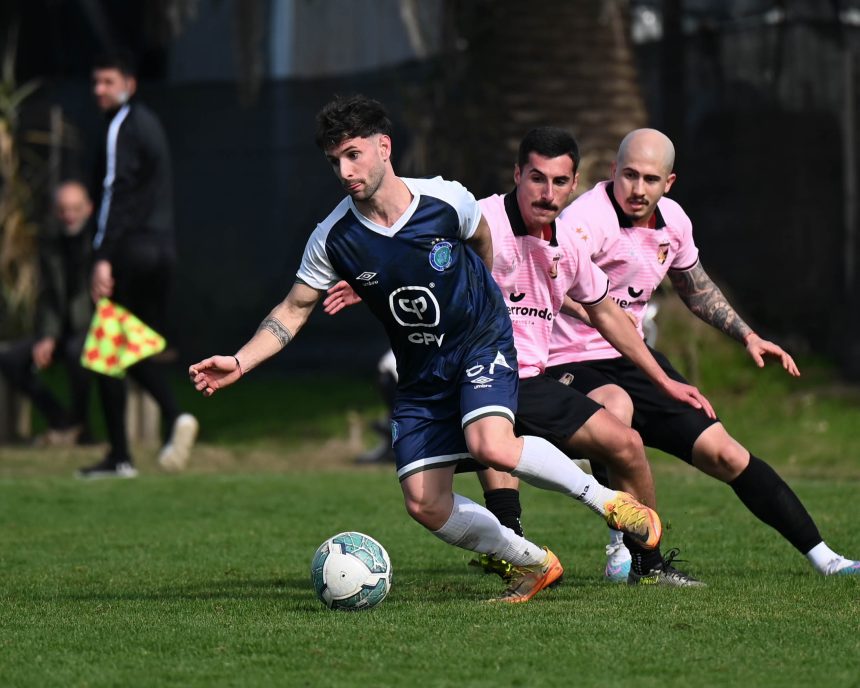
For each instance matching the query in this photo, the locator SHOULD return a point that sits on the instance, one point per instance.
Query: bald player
(637, 237)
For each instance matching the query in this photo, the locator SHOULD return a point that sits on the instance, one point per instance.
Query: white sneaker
(617, 563)
(842, 567)
(174, 455)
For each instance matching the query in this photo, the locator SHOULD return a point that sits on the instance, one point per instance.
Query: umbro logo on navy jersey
(633, 293)
(366, 276)
(517, 297)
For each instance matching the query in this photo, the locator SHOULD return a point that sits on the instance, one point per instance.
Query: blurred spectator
(135, 257)
(387, 384)
(62, 316)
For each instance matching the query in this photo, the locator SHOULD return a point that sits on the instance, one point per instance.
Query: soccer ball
(351, 571)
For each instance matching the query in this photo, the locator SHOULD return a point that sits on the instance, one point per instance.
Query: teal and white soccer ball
(351, 571)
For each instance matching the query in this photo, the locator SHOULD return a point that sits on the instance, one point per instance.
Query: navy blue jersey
(434, 295)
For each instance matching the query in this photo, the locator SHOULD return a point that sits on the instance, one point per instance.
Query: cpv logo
(414, 307)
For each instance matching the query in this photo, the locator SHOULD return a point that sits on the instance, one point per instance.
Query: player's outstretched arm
(273, 334)
(340, 296)
(616, 328)
(704, 299)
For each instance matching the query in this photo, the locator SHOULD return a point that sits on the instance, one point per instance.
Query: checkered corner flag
(118, 339)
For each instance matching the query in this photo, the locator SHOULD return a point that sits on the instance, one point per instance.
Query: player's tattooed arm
(278, 329)
(706, 301)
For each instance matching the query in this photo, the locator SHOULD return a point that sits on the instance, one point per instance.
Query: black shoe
(380, 454)
(108, 468)
(666, 574)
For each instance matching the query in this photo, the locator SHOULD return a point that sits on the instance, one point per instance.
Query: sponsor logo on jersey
(662, 252)
(483, 380)
(441, 255)
(531, 312)
(426, 338)
(517, 297)
(633, 293)
(414, 306)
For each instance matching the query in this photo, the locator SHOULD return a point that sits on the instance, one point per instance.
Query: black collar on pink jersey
(515, 217)
(623, 220)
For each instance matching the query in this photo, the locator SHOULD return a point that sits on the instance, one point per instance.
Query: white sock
(472, 527)
(825, 560)
(543, 465)
(616, 538)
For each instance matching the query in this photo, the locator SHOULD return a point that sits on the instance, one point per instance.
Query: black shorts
(664, 423)
(551, 410)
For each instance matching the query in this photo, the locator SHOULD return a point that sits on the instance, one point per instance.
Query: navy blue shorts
(427, 432)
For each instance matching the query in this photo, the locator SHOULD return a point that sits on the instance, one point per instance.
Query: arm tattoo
(277, 328)
(706, 301)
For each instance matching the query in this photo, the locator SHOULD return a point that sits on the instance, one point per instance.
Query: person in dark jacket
(63, 314)
(135, 256)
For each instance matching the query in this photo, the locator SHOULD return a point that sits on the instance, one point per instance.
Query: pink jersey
(636, 259)
(534, 275)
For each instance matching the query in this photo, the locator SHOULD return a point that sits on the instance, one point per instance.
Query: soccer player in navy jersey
(417, 252)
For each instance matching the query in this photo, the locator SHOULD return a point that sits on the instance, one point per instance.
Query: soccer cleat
(666, 574)
(528, 581)
(617, 564)
(629, 516)
(843, 567)
(503, 569)
(174, 455)
(108, 468)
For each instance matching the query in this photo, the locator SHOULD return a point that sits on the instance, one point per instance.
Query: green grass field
(203, 579)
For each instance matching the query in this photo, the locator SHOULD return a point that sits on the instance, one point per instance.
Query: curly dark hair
(550, 142)
(348, 117)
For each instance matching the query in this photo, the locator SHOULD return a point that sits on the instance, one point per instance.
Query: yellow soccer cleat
(528, 581)
(626, 514)
(502, 568)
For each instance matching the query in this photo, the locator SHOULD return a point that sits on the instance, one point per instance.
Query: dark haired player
(417, 251)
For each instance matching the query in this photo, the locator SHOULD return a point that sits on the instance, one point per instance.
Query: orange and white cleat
(528, 581)
(626, 514)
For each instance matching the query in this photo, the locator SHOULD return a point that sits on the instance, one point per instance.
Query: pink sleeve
(687, 254)
(590, 284)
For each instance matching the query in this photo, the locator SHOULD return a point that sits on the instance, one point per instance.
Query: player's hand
(340, 296)
(214, 373)
(43, 352)
(689, 395)
(758, 348)
(102, 281)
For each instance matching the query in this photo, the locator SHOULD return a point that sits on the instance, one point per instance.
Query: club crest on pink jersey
(662, 252)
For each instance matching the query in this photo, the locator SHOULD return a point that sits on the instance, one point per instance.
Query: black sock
(504, 504)
(642, 560)
(768, 497)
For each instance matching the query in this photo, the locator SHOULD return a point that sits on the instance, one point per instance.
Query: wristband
(239, 366)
